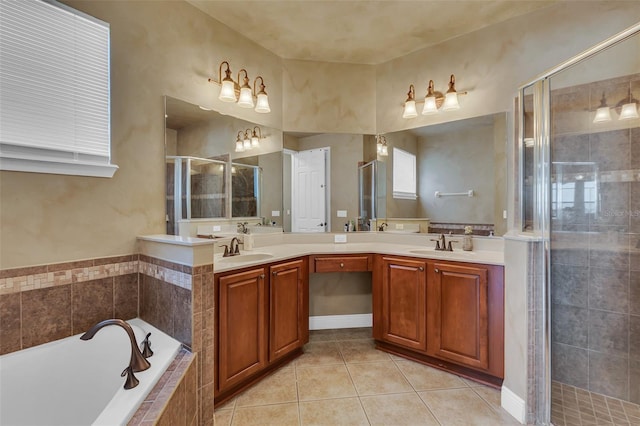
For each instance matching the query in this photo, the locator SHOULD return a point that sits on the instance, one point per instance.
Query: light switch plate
(504, 214)
(275, 213)
(341, 213)
(340, 238)
(216, 228)
(399, 225)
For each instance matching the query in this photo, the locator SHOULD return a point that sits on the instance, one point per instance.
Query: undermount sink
(434, 251)
(248, 257)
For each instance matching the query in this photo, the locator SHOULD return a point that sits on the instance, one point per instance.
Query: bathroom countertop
(278, 252)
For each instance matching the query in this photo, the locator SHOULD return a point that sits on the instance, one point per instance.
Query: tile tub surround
(44, 303)
(173, 400)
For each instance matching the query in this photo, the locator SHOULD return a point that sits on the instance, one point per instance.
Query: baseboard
(340, 321)
(513, 404)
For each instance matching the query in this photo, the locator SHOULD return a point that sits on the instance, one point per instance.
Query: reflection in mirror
(207, 179)
(452, 159)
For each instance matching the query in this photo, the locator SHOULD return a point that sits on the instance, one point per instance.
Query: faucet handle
(131, 381)
(449, 248)
(146, 347)
(226, 250)
(237, 249)
(437, 243)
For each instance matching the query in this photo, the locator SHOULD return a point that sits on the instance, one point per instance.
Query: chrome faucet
(137, 361)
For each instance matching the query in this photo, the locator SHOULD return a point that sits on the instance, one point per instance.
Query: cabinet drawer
(341, 263)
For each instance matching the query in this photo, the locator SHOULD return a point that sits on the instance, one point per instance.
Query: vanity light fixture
(381, 145)
(603, 113)
(248, 139)
(433, 100)
(243, 94)
(255, 137)
(628, 108)
(246, 143)
(240, 142)
(410, 104)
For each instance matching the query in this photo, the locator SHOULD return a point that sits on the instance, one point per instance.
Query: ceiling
(359, 32)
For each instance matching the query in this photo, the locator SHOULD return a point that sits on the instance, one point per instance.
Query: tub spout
(138, 361)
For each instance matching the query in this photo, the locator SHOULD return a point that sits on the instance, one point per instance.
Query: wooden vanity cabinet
(242, 331)
(262, 322)
(400, 302)
(465, 305)
(341, 263)
(444, 313)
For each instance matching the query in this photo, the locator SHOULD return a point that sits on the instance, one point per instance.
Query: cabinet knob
(342, 265)
(437, 271)
(274, 273)
(421, 268)
(262, 276)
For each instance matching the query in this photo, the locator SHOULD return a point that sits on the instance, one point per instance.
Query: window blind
(404, 174)
(54, 90)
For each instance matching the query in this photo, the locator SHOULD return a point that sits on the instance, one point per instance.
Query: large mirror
(208, 179)
(460, 170)
(451, 159)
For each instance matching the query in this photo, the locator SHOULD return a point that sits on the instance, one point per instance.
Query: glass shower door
(594, 230)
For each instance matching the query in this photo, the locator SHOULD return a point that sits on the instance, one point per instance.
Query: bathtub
(74, 382)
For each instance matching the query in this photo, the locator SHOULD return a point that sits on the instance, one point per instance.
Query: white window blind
(54, 90)
(404, 174)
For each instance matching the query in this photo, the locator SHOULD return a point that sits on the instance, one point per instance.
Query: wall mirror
(206, 178)
(453, 159)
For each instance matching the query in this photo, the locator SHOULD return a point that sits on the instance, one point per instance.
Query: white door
(309, 191)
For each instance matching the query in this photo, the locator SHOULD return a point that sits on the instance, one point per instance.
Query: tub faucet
(137, 362)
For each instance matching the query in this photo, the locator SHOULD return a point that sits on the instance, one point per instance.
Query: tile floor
(571, 406)
(343, 380)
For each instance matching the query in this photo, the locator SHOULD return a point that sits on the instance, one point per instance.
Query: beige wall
(328, 97)
(157, 48)
(458, 160)
(493, 62)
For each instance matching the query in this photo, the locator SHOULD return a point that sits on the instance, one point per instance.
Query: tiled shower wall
(595, 257)
(45, 303)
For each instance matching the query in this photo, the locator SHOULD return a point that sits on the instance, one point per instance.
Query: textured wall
(157, 48)
(493, 62)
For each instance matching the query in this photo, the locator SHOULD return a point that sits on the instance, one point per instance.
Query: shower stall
(579, 154)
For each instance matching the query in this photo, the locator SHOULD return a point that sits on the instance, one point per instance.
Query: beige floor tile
(422, 377)
(397, 410)
(279, 414)
(493, 398)
(471, 383)
(462, 407)
(333, 412)
(374, 378)
(274, 389)
(353, 333)
(222, 418)
(322, 382)
(321, 335)
(229, 405)
(361, 351)
(320, 353)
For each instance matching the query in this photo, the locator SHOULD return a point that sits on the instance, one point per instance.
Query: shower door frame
(542, 200)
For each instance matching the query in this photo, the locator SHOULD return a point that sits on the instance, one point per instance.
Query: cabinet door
(402, 303)
(288, 308)
(242, 329)
(458, 314)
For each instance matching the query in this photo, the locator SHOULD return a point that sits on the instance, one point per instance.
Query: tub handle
(131, 381)
(146, 347)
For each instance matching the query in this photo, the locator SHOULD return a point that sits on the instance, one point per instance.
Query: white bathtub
(74, 382)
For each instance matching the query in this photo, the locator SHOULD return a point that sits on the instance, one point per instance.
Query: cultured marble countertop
(288, 246)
